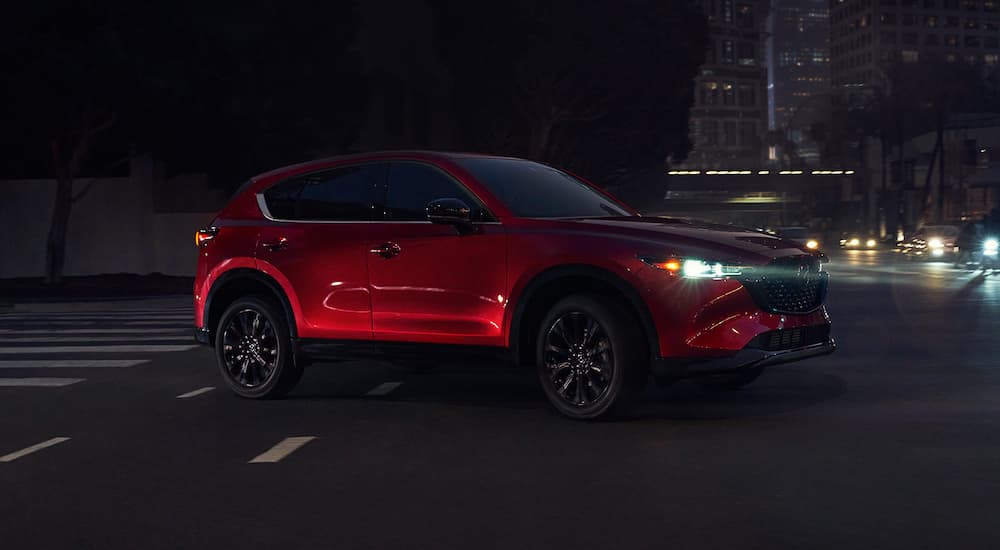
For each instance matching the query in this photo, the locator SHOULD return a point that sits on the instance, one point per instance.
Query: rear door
(314, 244)
(431, 282)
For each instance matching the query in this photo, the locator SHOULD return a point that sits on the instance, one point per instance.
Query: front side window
(532, 190)
(413, 185)
(341, 194)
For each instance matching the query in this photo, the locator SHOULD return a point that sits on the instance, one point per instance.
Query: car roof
(414, 154)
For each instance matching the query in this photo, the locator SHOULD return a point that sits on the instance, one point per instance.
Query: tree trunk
(929, 213)
(540, 135)
(55, 245)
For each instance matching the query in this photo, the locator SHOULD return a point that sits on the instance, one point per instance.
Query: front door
(315, 245)
(432, 282)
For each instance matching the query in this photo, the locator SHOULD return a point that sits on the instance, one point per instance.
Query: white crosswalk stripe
(84, 338)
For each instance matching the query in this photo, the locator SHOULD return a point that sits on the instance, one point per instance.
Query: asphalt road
(893, 442)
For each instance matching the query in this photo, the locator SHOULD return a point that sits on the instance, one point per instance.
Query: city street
(116, 432)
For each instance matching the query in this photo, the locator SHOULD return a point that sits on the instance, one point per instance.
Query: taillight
(202, 236)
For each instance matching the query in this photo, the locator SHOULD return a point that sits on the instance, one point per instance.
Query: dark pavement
(892, 442)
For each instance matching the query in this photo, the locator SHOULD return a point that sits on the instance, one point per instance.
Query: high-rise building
(868, 35)
(729, 116)
(799, 51)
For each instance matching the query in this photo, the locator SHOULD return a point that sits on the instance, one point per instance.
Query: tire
(729, 381)
(253, 349)
(600, 375)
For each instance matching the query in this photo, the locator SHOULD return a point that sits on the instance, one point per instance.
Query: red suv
(428, 255)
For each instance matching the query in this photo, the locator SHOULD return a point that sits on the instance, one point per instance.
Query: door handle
(386, 250)
(275, 246)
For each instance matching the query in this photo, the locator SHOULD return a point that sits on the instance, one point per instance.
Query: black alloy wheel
(253, 349)
(591, 358)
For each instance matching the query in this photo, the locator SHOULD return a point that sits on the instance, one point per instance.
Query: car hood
(684, 237)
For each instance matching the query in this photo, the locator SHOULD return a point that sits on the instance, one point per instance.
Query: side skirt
(312, 350)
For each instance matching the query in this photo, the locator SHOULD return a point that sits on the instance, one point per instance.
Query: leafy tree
(603, 88)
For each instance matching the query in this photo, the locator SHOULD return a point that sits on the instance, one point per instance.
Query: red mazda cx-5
(428, 255)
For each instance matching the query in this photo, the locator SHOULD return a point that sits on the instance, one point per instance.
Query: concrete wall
(115, 228)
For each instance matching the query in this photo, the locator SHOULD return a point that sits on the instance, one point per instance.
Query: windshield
(532, 190)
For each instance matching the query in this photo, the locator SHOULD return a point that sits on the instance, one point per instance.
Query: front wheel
(591, 360)
(253, 349)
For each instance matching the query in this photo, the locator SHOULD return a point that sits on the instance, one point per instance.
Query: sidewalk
(32, 294)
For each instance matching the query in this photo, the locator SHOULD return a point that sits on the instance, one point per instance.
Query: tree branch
(83, 146)
(90, 184)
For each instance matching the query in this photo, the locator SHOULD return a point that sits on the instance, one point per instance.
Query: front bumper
(668, 368)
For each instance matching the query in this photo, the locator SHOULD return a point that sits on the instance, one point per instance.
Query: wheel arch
(550, 286)
(239, 282)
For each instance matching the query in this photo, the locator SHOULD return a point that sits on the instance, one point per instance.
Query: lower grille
(781, 340)
(788, 285)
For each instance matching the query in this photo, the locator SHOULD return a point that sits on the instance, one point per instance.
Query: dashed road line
(73, 364)
(154, 348)
(97, 331)
(38, 382)
(177, 338)
(383, 389)
(284, 448)
(33, 449)
(198, 391)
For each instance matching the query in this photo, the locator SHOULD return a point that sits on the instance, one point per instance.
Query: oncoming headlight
(935, 243)
(991, 247)
(692, 268)
(812, 244)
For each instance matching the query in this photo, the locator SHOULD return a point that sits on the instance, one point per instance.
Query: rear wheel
(730, 381)
(253, 349)
(590, 358)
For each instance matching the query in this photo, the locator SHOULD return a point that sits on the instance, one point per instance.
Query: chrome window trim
(262, 204)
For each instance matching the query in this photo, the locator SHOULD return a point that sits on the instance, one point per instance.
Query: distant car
(425, 255)
(799, 235)
(856, 241)
(932, 242)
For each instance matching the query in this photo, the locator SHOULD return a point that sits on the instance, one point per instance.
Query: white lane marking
(73, 364)
(38, 382)
(384, 388)
(176, 318)
(284, 448)
(198, 391)
(153, 348)
(177, 339)
(32, 449)
(98, 331)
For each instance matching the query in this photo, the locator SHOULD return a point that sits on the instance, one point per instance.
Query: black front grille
(780, 340)
(788, 285)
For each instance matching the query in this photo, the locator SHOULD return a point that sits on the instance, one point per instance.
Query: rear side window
(413, 185)
(342, 194)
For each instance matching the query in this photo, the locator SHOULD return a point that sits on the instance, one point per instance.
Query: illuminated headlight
(990, 247)
(693, 269)
(843, 242)
(700, 269)
(935, 243)
(854, 242)
(937, 252)
(870, 243)
(812, 244)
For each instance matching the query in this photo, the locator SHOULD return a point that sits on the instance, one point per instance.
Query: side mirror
(449, 211)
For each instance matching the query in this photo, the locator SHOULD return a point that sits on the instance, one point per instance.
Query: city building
(729, 118)
(869, 35)
(799, 58)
